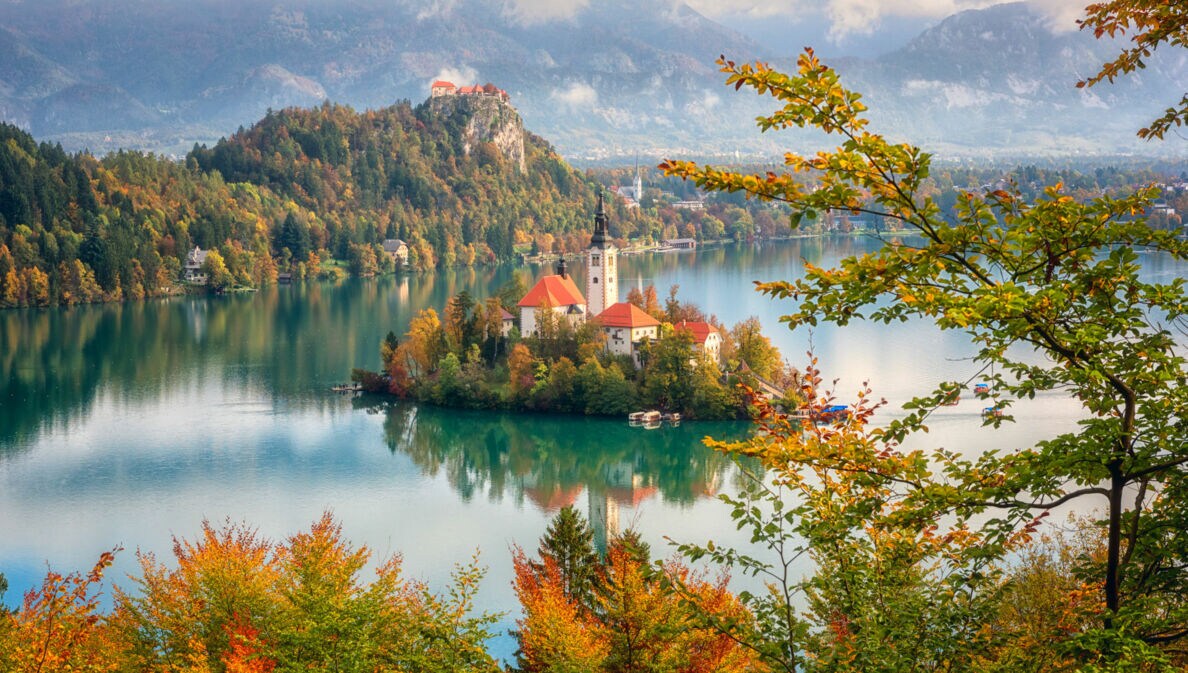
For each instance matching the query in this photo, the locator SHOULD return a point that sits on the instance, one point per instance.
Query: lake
(131, 423)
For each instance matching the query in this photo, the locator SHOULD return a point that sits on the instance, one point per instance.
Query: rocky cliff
(485, 119)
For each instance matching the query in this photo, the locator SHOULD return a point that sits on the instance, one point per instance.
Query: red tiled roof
(557, 290)
(554, 498)
(631, 495)
(441, 83)
(623, 314)
(503, 313)
(700, 330)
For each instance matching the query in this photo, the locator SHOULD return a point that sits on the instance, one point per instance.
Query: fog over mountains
(611, 78)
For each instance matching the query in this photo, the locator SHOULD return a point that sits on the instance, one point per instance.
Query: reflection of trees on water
(550, 460)
(283, 343)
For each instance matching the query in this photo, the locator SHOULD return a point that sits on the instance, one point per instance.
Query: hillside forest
(314, 192)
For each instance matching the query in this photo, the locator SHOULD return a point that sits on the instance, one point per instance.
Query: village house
(706, 339)
(396, 250)
(626, 326)
(507, 322)
(192, 271)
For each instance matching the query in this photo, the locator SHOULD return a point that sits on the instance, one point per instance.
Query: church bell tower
(602, 272)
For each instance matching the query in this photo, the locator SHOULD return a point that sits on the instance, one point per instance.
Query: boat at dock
(650, 420)
(835, 413)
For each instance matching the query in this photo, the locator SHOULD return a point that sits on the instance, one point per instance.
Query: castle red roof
(556, 290)
(442, 83)
(623, 314)
(700, 330)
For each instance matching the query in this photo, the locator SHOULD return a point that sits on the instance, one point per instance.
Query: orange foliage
(58, 628)
(244, 654)
(633, 622)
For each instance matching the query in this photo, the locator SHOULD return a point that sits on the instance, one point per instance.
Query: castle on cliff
(442, 88)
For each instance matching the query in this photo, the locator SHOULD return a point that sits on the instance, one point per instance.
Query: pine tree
(569, 542)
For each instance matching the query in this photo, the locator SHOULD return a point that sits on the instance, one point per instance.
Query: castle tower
(602, 270)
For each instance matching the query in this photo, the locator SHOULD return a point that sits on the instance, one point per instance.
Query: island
(556, 348)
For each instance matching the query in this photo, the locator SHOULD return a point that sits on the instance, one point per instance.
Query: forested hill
(418, 174)
(74, 228)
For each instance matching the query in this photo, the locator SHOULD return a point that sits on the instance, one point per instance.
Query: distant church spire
(601, 236)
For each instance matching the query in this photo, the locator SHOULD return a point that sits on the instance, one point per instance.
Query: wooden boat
(833, 414)
(993, 412)
(982, 389)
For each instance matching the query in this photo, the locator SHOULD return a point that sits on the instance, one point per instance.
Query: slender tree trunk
(1114, 543)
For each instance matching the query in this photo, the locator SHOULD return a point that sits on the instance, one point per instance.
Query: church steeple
(601, 236)
(602, 282)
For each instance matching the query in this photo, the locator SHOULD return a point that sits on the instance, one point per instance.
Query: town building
(681, 243)
(626, 326)
(707, 341)
(507, 321)
(556, 293)
(192, 271)
(396, 250)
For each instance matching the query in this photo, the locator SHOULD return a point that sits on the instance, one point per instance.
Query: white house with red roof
(706, 339)
(626, 326)
(556, 293)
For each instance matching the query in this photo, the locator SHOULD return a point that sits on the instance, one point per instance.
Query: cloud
(462, 76)
(748, 8)
(576, 95)
(1060, 15)
(433, 8)
(530, 12)
(861, 17)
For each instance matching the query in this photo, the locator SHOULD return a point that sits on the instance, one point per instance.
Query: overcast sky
(848, 18)
(843, 27)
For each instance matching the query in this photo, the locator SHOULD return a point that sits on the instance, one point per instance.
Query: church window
(595, 281)
(594, 260)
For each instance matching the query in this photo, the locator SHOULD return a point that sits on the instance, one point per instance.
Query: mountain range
(614, 79)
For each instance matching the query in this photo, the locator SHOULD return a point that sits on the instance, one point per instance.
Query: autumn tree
(58, 627)
(424, 344)
(631, 622)
(218, 278)
(755, 349)
(237, 602)
(1053, 276)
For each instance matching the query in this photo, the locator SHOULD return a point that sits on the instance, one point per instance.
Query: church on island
(624, 325)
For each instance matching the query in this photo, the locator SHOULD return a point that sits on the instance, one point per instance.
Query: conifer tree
(569, 542)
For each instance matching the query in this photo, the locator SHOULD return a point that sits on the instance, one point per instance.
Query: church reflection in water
(549, 461)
